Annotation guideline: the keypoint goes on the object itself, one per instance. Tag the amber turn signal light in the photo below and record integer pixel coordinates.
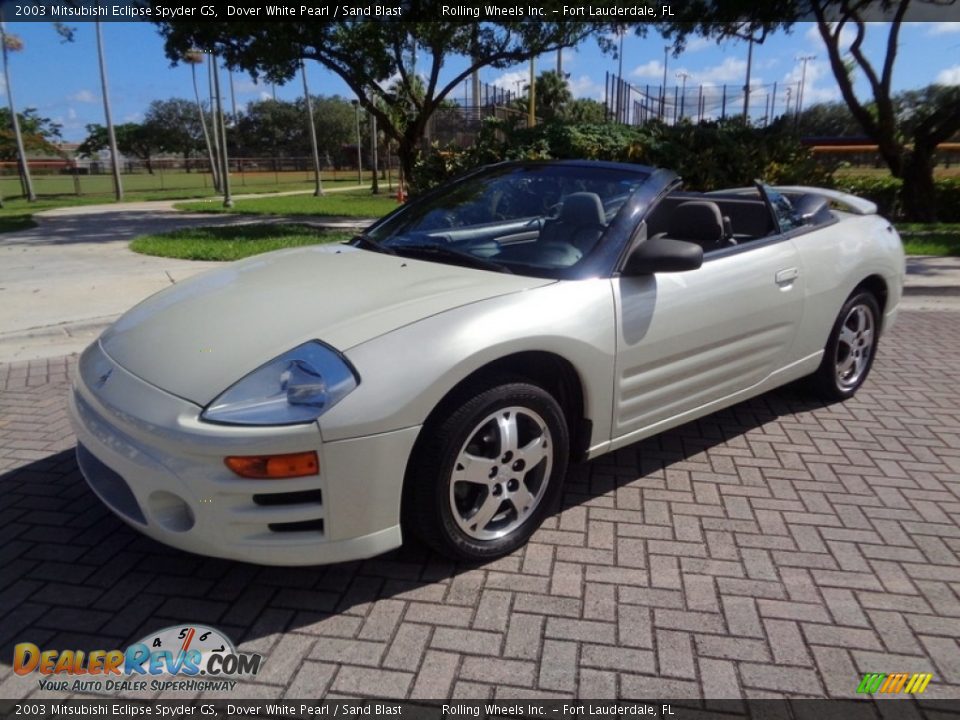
(272, 467)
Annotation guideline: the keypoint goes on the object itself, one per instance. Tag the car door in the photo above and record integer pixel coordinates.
(687, 341)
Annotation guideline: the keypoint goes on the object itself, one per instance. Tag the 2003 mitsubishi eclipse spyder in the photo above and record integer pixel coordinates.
(436, 375)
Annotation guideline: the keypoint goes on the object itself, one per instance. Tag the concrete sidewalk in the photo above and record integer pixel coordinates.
(64, 281)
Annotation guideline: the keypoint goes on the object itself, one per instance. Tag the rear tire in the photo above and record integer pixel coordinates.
(848, 355)
(488, 472)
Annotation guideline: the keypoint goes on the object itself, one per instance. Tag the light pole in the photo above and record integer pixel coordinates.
(803, 80)
(682, 77)
(663, 90)
(356, 111)
(619, 92)
(375, 187)
(746, 87)
(532, 97)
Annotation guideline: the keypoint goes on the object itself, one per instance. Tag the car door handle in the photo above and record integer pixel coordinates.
(787, 276)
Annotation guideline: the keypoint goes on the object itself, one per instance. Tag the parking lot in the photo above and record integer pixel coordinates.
(778, 548)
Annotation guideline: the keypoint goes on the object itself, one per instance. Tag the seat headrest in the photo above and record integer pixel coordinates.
(698, 221)
(583, 208)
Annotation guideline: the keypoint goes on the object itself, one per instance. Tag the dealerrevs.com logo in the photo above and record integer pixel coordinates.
(180, 657)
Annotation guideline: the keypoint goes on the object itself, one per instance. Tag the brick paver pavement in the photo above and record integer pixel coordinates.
(777, 548)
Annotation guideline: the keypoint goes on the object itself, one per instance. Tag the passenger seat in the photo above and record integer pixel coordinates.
(700, 221)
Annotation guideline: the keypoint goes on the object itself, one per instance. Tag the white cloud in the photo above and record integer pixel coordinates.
(584, 87)
(730, 70)
(698, 43)
(944, 28)
(818, 86)
(847, 36)
(652, 70)
(82, 96)
(949, 76)
(133, 117)
(264, 95)
(513, 82)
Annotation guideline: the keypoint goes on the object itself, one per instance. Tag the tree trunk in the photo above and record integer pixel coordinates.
(918, 194)
(407, 153)
(25, 180)
(111, 135)
(214, 175)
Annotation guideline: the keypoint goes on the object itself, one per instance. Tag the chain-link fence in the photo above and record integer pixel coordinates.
(639, 104)
(177, 177)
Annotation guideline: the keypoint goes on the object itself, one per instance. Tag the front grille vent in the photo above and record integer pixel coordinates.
(302, 526)
(289, 498)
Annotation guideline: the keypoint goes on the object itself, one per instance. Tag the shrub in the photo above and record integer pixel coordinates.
(885, 192)
(707, 156)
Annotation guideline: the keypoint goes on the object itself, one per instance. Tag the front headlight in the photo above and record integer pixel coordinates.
(296, 387)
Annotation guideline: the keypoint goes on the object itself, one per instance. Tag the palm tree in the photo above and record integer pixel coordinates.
(194, 58)
(11, 43)
(553, 95)
(111, 135)
(318, 185)
(215, 121)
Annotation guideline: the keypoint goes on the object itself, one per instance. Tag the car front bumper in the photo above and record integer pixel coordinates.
(150, 459)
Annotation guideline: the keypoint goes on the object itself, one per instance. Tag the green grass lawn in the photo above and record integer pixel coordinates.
(53, 193)
(941, 239)
(192, 184)
(232, 243)
(352, 203)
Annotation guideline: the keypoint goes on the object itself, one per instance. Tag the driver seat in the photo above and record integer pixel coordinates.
(580, 223)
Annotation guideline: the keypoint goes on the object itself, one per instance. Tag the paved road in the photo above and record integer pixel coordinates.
(63, 281)
(777, 548)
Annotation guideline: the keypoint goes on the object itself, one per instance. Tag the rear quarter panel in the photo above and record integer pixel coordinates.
(837, 258)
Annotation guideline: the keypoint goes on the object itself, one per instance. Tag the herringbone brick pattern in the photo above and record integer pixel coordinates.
(778, 548)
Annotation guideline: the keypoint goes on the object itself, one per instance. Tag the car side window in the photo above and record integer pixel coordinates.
(787, 216)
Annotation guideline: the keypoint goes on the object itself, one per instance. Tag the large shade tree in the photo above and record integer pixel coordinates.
(40, 135)
(139, 140)
(367, 55)
(906, 141)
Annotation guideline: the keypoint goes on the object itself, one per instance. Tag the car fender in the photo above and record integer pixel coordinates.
(407, 372)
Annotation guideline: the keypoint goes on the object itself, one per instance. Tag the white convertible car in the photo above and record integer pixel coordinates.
(436, 375)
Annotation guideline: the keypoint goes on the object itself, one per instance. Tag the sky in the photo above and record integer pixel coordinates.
(61, 80)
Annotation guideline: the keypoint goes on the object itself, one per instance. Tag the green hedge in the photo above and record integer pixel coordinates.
(707, 156)
(885, 192)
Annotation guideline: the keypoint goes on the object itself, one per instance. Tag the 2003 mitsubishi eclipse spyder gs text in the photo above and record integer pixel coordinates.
(436, 375)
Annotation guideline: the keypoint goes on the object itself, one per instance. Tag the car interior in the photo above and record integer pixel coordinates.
(719, 220)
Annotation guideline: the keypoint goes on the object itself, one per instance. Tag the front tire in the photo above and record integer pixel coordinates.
(488, 472)
(848, 356)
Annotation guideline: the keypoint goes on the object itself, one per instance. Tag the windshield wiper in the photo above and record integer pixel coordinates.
(363, 240)
(460, 257)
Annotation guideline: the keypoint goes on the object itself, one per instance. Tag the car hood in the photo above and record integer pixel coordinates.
(200, 336)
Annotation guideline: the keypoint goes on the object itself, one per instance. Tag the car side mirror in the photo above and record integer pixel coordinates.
(661, 254)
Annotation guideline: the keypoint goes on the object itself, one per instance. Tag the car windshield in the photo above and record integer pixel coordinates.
(538, 219)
